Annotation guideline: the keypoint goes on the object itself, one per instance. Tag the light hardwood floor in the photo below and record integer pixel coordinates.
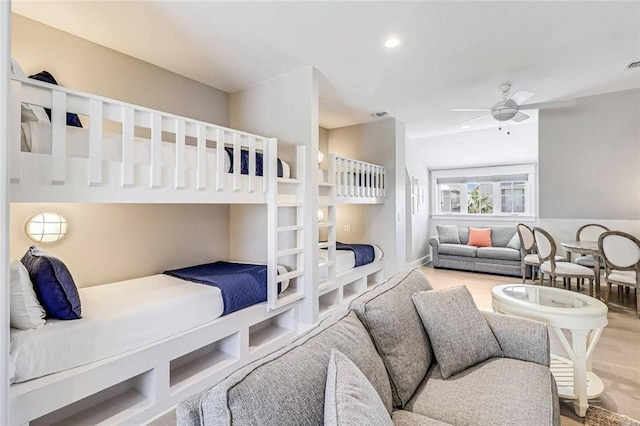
(616, 358)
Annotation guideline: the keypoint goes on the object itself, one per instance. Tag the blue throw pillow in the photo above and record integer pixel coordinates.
(53, 284)
(47, 77)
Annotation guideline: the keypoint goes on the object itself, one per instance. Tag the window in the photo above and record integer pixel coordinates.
(450, 198)
(491, 191)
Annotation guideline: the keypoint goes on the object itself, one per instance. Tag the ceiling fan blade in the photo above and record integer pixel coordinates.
(476, 118)
(522, 96)
(470, 109)
(552, 104)
(520, 116)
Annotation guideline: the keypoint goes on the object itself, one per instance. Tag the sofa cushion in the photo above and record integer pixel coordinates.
(448, 234)
(387, 311)
(459, 334)
(514, 242)
(500, 391)
(463, 234)
(349, 397)
(407, 418)
(289, 384)
(501, 235)
(502, 253)
(457, 250)
(480, 237)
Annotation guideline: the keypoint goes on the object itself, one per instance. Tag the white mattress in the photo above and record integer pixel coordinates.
(37, 139)
(345, 260)
(116, 318)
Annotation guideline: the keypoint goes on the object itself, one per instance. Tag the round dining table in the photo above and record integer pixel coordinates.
(585, 248)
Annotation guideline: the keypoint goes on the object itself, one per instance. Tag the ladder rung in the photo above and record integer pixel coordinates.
(325, 264)
(326, 244)
(290, 251)
(327, 184)
(325, 224)
(290, 228)
(288, 180)
(289, 276)
(290, 204)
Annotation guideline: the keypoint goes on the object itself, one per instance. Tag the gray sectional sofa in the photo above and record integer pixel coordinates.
(383, 335)
(450, 250)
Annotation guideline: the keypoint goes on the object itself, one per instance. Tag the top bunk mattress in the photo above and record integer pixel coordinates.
(116, 318)
(36, 138)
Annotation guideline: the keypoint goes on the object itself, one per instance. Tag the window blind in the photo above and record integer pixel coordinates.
(478, 179)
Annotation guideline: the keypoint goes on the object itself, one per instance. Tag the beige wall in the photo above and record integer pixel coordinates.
(590, 159)
(106, 244)
(83, 65)
(380, 142)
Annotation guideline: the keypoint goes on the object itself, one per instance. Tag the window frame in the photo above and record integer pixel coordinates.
(530, 189)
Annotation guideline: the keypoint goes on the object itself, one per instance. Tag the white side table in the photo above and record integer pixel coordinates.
(583, 316)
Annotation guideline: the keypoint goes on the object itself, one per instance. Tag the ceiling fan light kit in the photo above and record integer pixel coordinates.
(509, 107)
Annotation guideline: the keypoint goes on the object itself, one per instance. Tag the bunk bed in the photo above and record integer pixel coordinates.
(152, 368)
(342, 275)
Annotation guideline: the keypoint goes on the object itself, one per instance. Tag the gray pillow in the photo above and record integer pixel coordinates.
(349, 398)
(460, 336)
(501, 234)
(448, 234)
(514, 242)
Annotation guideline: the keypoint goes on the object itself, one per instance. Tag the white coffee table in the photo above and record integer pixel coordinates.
(583, 316)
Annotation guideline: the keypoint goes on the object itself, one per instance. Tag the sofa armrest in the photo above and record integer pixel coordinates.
(434, 242)
(188, 411)
(520, 338)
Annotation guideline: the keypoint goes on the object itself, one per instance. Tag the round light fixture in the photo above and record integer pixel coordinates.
(392, 42)
(47, 227)
(320, 215)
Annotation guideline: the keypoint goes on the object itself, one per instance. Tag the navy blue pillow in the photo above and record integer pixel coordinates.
(72, 119)
(53, 284)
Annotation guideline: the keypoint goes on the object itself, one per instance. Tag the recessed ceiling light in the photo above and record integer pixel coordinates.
(392, 42)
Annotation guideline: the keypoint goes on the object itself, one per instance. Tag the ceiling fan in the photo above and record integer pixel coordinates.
(509, 107)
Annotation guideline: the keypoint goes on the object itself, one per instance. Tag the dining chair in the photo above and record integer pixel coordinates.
(549, 265)
(621, 254)
(529, 256)
(590, 232)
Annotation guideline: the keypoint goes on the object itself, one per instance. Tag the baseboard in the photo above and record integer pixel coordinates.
(417, 263)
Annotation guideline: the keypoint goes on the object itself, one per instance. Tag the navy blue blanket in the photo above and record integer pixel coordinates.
(364, 253)
(244, 162)
(241, 284)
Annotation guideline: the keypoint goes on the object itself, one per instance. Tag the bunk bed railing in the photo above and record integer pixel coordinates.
(130, 119)
(358, 179)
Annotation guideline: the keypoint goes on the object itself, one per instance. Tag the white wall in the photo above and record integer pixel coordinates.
(80, 64)
(113, 242)
(417, 223)
(590, 164)
(479, 148)
(286, 108)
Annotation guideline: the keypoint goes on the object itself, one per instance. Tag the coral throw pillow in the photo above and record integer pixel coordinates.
(480, 237)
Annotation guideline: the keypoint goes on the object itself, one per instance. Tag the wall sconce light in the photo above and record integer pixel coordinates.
(320, 157)
(320, 215)
(47, 227)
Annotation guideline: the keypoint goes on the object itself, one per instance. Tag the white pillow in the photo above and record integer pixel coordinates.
(25, 311)
(284, 284)
(29, 113)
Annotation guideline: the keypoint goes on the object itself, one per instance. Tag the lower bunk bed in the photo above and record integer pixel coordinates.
(143, 345)
(358, 267)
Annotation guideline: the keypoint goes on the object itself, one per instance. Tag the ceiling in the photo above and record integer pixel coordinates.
(452, 54)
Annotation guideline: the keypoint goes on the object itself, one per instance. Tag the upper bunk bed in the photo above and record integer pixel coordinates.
(129, 153)
(355, 181)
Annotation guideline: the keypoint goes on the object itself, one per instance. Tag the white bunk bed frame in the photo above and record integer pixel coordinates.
(144, 383)
(342, 187)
